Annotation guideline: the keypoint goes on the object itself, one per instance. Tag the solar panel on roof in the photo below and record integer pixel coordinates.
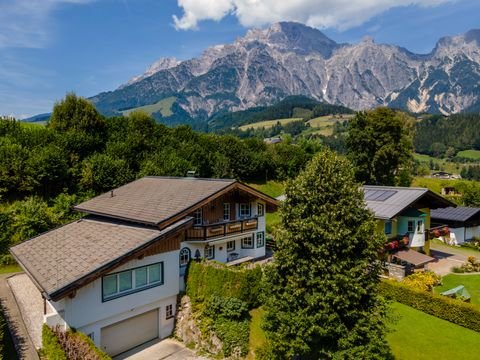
(378, 195)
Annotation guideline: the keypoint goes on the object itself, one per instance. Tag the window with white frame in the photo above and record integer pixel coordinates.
(131, 281)
(231, 245)
(260, 209)
(198, 217)
(420, 226)
(184, 256)
(169, 311)
(260, 239)
(209, 252)
(411, 226)
(226, 211)
(245, 210)
(247, 242)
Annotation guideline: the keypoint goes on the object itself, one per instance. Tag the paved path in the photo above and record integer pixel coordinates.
(448, 257)
(167, 349)
(30, 302)
(23, 344)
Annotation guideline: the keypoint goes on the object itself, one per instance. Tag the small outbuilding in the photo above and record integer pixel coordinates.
(463, 222)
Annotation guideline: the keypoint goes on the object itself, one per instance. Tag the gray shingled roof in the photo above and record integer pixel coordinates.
(395, 200)
(61, 257)
(151, 200)
(459, 213)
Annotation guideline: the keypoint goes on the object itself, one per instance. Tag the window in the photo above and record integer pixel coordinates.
(209, 252)
(184, 256)
(231, 245)
(226, 211)
(411, 226)
(197, 217)
(169, 311)
(420, 226)
(247, 242)
(245, 210)
(131, 281)
(260, 239)
(260, 210)
(388, 227)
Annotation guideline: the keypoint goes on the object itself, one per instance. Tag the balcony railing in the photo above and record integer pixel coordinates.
(210, 231)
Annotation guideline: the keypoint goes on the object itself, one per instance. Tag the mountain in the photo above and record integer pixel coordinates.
(267, 65)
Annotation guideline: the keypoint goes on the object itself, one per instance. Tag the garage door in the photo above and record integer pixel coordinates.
(129, 333)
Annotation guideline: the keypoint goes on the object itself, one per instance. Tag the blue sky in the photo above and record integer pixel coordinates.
(50, 47)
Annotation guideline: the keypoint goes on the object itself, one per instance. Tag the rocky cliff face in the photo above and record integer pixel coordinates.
(267, 65)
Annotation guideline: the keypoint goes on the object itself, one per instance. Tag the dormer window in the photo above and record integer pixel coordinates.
(198, 217)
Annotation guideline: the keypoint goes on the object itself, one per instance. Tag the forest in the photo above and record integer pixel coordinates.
(44, 170)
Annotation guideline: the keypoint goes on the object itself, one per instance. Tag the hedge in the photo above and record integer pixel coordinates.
(455, 311)
(207, 278)
(7, 349)
(69, 345)
(51, 349)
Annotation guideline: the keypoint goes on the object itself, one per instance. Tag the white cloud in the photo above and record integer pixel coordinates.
(27, 23)
(340, 14)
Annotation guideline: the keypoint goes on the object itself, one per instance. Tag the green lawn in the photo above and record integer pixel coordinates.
(164, 106)
(271, 188)
(257, 336)
(471, 283)
(469, 154)
(448, 166)
(417, 336)
(459, 250)
(6, 269)
(435, 185)
(413, 335)
(267, 124)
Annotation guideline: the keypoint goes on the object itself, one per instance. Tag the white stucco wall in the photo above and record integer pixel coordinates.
(89, 314)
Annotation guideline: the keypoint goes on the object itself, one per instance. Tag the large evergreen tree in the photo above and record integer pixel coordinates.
(322, 286)
(380, 145)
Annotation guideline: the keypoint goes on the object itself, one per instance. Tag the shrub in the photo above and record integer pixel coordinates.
(234, 335)
(207, 278)
(457, 312)
(7, 349)
(471, 265)
(425, 280)
(230, 308)
(7, 260)
(71, 345)
(51, 348)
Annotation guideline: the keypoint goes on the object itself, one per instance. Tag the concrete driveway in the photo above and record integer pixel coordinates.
(447, 257)
(168, 349)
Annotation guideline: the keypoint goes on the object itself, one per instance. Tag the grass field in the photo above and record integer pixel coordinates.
(435, 185)
(444, 165)
(257, 336)
(271, 188)
(164, 106)
(469, 154)
(267, 124)
(323, 121)
(6, 269)
(419, 336)
(471, 283)
(413, 335)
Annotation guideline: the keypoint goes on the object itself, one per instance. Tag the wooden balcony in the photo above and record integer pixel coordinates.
(211, 231)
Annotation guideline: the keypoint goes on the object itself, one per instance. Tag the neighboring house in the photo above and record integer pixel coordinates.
(463, 222)
(445, 175)
(116, 273)
(403, 215)
(272, 140)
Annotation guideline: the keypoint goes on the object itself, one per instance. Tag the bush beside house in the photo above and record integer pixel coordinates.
(221, 297)
(457, 312)
(7, 349)
(69, 345)
(208, 278)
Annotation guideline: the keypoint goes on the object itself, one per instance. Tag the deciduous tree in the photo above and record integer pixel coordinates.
(380, 146)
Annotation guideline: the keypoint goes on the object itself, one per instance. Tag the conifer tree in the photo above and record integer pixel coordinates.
(322, 286)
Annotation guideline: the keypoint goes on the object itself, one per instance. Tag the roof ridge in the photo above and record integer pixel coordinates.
(394, 187)
(187, 178)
